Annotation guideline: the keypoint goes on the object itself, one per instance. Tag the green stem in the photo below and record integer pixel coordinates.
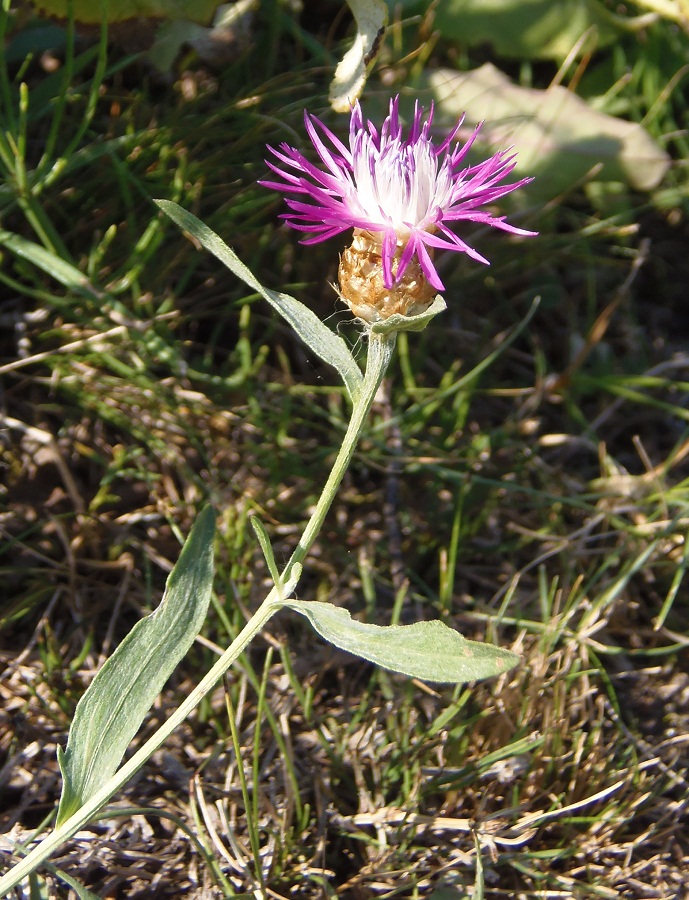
(380, 352)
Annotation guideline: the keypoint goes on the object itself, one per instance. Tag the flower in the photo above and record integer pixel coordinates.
(402, 194)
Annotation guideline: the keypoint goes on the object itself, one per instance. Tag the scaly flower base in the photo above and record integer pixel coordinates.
(362, 283)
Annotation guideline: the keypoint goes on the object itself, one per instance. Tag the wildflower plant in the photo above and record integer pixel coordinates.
(402, 194)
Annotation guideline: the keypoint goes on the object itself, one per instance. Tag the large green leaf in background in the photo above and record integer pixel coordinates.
(90, 12)
(549, 29)
(111, 711)
(558, 137)
(526, 29)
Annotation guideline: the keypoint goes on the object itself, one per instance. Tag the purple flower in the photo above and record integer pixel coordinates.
(404, 193)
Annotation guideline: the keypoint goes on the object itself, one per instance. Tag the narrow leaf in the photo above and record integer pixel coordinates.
(264, 541)
(48, 262)
(79, 889)
(315, 334)
(427, 650)
(285, 588)
(111, 711)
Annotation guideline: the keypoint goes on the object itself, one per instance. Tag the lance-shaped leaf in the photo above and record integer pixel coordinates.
(111, 711)
(285, 583)
(427, 650)
(315, 334)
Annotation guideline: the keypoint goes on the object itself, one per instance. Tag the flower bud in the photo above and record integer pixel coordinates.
(362, 283)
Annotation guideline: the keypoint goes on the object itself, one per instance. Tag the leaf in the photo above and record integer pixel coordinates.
(286, 583)
(350, 75)
(111, 711)
(559, 139)
(418, 322)
(79, 889)
(525, 29)
(50, 263)
(219, 45)
(91, 11)
(427, 650)
(264, 541)
(315, 334)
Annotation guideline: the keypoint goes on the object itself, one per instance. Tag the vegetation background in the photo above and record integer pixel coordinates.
(539, 502)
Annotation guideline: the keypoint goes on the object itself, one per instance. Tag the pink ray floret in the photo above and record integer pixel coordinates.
(407, 193)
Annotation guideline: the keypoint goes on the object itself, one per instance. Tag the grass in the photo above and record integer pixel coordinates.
(540, 502)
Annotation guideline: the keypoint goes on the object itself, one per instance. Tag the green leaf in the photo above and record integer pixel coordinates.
(63, 272)
(111, 711)
(558, 137)
(427, 650)
(371, 17)
(285, 583)
(525, 29)
(91, 11)
(315, 334)
(418, 322)
(264, 541)
(79, 889)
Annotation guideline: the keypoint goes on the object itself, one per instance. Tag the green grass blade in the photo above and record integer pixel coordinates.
(315, 334)
(427, 650)
(47, 261)
(111, 711)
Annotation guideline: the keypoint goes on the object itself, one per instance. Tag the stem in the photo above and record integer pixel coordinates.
(380, 352)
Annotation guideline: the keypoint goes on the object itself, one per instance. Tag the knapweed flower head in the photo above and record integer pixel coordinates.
(401, 195)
